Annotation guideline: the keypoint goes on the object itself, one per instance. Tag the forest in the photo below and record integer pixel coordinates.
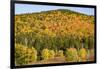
(54, 36)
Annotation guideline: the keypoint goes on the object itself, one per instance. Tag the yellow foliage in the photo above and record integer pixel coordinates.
(45, 54)
(71, 55)
(51, 54)
(83, 54)
(24, 55)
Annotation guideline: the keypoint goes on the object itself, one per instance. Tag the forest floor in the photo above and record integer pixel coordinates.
(57, 60)
(51, 61)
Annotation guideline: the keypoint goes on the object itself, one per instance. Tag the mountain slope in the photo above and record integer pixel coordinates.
(54, 23)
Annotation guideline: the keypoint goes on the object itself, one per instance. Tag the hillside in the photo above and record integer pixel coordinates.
(54, 30)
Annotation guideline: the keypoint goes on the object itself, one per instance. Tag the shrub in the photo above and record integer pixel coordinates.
(60, 53)
(24, 55)
(45, 54)
(71, 55)
(35, 53)
(83, 54)
(51, 54)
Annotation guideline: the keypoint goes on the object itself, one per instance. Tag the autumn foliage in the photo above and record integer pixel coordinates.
(24, 55)
(52, 32)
